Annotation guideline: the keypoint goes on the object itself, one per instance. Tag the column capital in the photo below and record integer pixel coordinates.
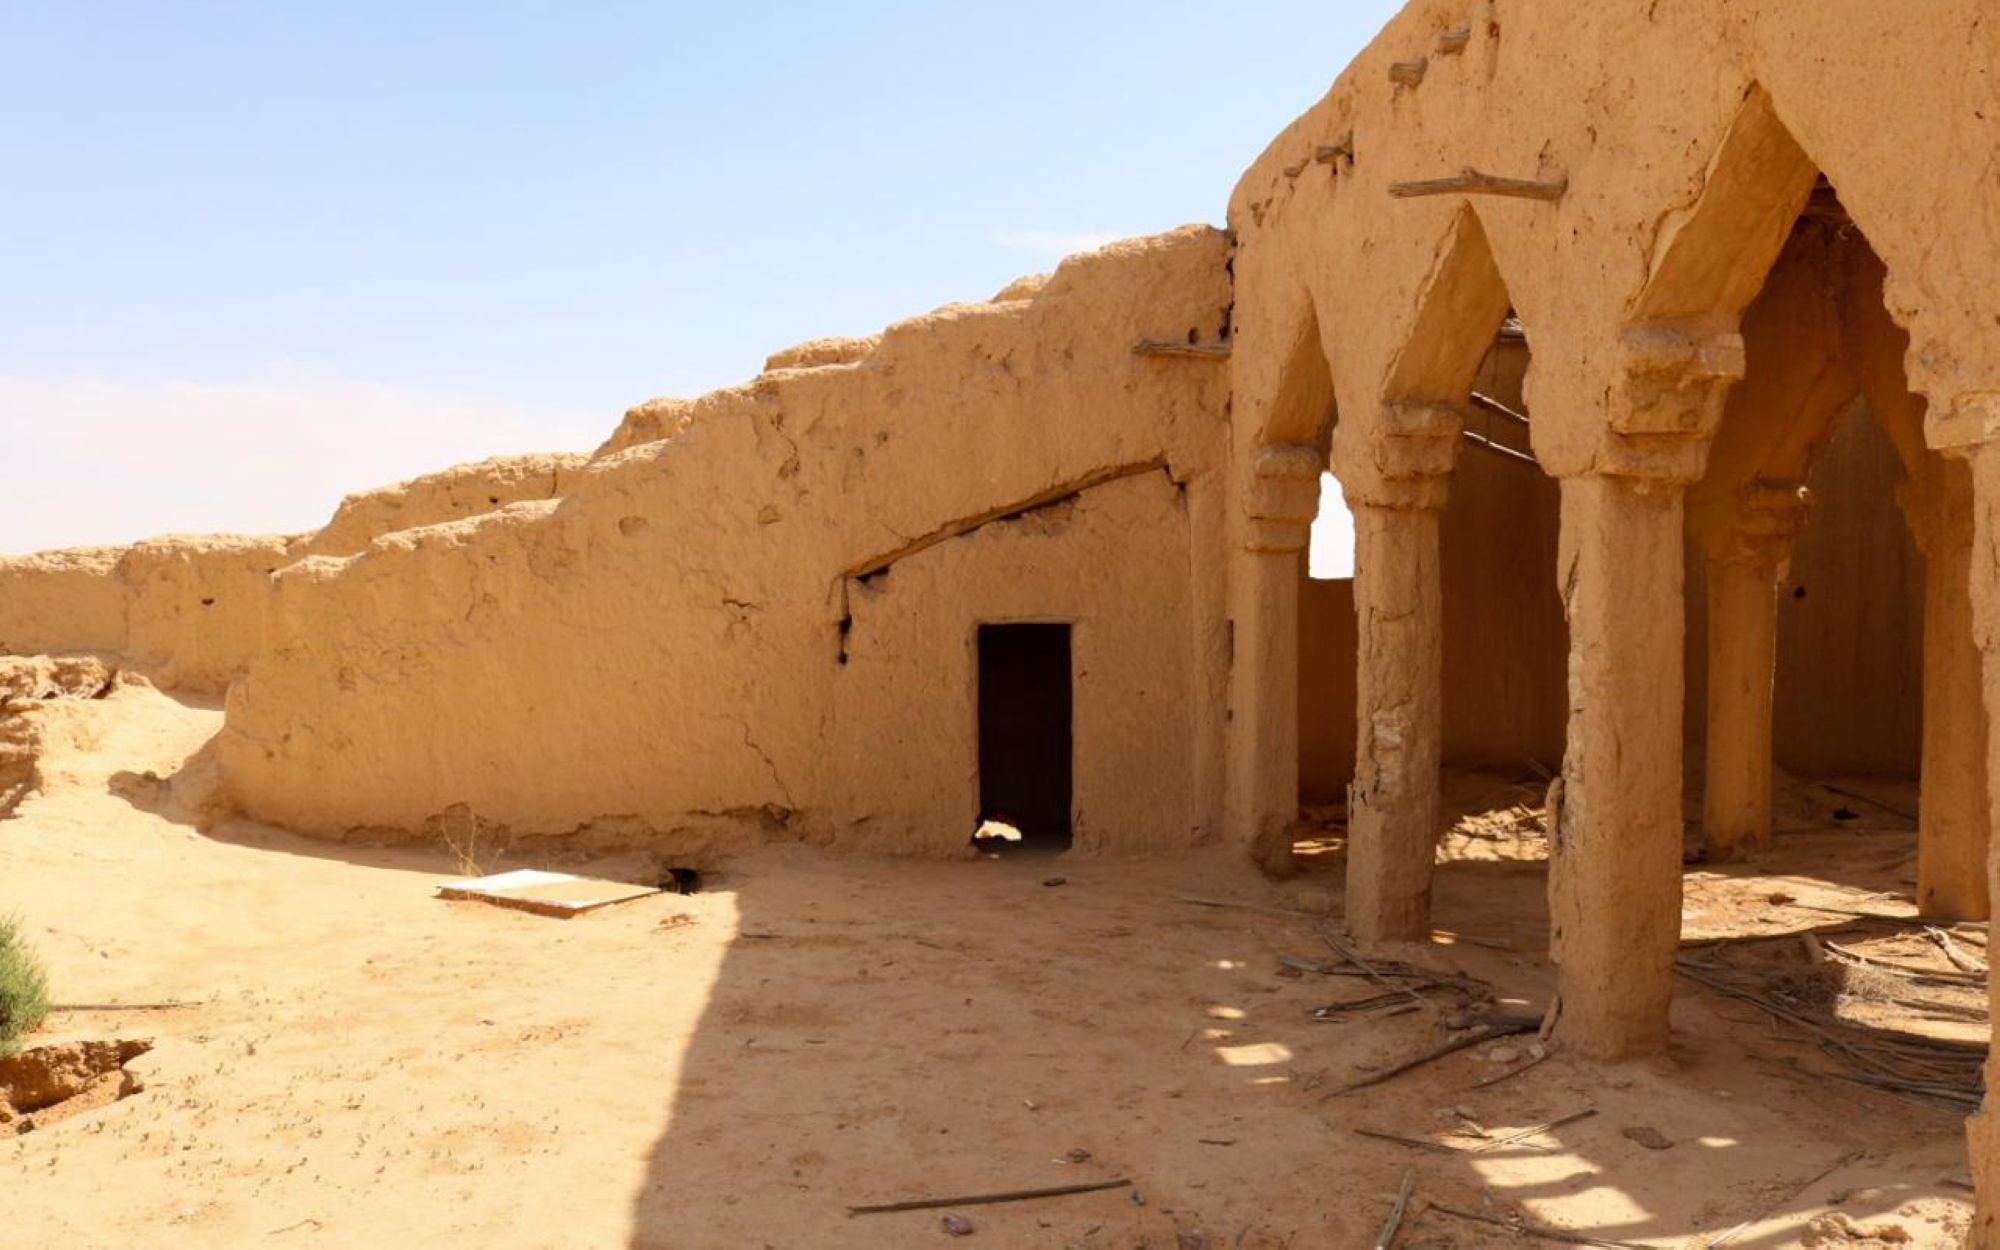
(1769, 517)
(1672, 380)
(1410, 459)
(1281, 496)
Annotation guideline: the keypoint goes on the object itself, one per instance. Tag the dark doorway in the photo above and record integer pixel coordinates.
(1024, 731)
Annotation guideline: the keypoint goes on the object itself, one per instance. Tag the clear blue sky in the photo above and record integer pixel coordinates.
(256, 255)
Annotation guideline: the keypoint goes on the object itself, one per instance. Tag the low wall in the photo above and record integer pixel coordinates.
(191, 611)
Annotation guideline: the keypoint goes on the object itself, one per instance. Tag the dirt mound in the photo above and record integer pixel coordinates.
(50, 1083)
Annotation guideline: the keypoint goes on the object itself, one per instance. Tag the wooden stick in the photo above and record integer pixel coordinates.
(1480, 440)
(1492, 944)
(1386, 1239)
(1492, 405)
(1235, 906)
(1509, 1075)
(167, 1006)
(1500, 1028)
(1951, 951)
(983, 1200)
(1862, 798)
(1354, 958)
(1414, 1143)
(1526, 1229)
(1472, 182)
(1537, 1131)
(1910, 969)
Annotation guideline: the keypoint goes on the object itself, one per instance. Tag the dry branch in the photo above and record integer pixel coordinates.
(1505, 1026)
(980, 1200)
(1497, 1142)
(1511, 1073)
(1348, 953)
(1537, 1231)
(1386, 1239)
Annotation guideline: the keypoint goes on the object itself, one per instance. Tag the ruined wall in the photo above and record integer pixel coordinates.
(62, 601)
(452, 494)
(654, 655)
(190, 610)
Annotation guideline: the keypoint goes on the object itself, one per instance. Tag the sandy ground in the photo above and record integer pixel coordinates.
(368, 1065)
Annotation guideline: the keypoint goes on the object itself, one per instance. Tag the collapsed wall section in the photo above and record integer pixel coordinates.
(190, 610)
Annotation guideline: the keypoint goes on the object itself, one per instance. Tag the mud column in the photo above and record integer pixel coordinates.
(1393, 804)
(1983, 581)
(1616, 829)
(1952, 812)
(1742, 667)
(1281, 498)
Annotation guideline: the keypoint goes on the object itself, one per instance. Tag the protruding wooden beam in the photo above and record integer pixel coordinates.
(1472, 182)
(1167, 347)
(1339, 149)
(1409, 73)
(1452, 42)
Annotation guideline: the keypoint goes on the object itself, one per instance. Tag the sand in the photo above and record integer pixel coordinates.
(365, 1064)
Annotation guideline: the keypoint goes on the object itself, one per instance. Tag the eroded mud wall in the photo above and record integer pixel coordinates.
(654, 655)
(62, 601)
(1111, 562)
(190, 610)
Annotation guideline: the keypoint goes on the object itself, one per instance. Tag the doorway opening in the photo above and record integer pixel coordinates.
(1025, 746)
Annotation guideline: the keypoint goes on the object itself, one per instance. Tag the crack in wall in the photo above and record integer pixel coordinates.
(1062, 493)
(979, 520)
(748, 741)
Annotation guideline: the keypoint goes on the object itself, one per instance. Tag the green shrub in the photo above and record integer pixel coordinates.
(24, 987)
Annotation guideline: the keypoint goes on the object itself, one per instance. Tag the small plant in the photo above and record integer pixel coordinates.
(24, 987)
(460, 829)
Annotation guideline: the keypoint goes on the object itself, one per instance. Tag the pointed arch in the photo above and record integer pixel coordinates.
(1711, 260)
(1463, 304)
(1303, 410)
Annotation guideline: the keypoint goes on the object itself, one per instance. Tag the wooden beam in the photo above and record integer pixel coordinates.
(1328, 153)
(1167, 347)
(1500, 449)
(1472, 182)
(1408, 73)
(1493, 405)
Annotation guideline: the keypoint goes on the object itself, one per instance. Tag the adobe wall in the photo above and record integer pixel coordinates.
(62, 601)
(653, 657)
(1327, 646)
(1849, 694)
(190, 610)
(1112, 561)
